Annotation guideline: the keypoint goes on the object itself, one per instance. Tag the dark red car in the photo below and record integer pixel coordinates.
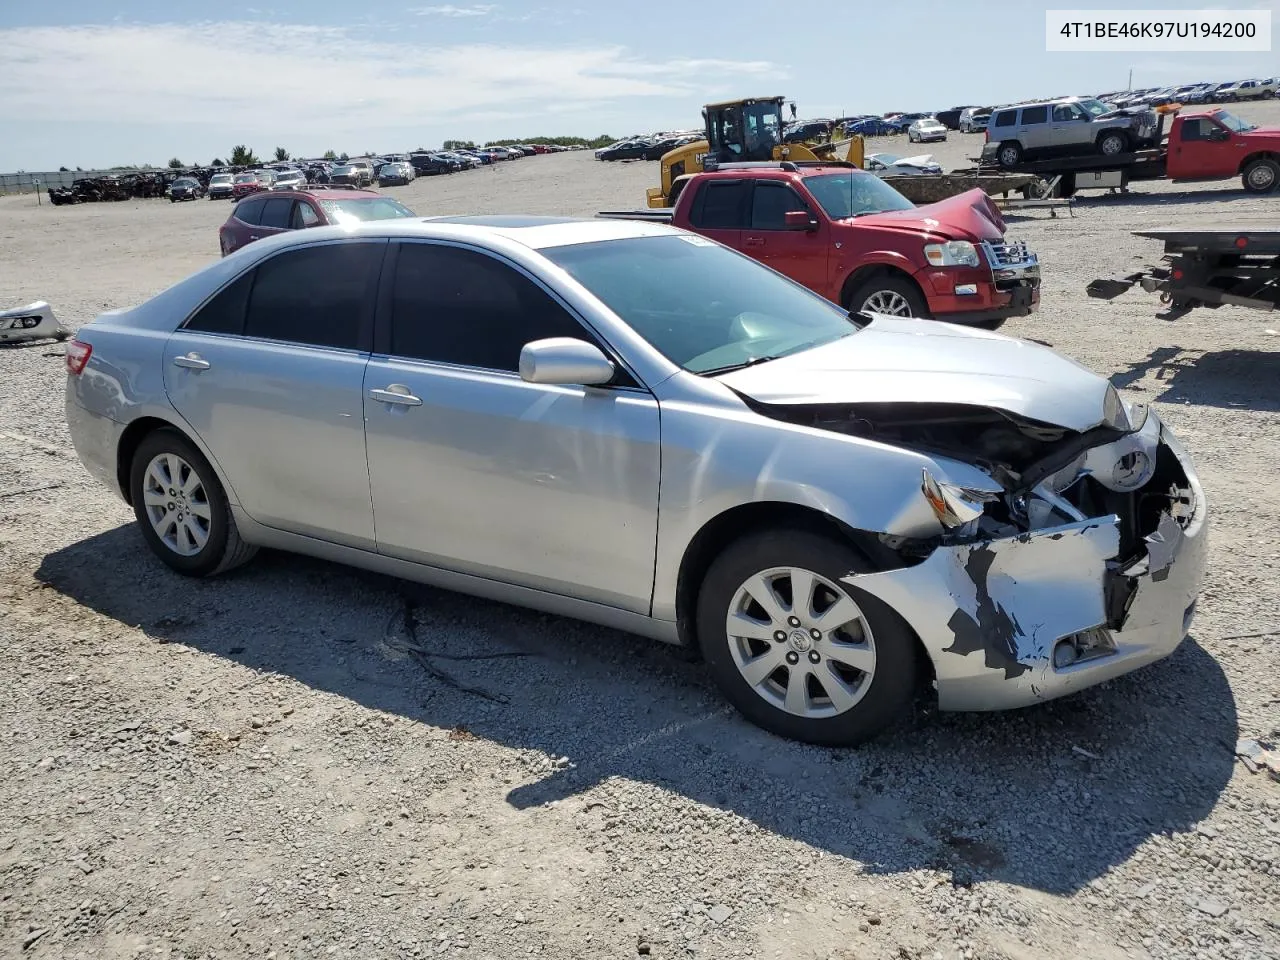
(276, 211)
(251, 181)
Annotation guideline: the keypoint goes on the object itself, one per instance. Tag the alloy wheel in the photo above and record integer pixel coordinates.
(888, 302)
(176, 504)
(801, 642)
(1262, 177)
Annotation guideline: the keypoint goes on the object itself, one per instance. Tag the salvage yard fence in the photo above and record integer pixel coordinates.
(30, 182)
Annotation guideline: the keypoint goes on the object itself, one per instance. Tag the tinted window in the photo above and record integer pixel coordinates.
(721, 205)
(250, 210)
(1197, 128)
(1004, 118)
(315, 295)
(458, 306)
(225, 312)
(770, 202)
(1035, 115)
(276, 212)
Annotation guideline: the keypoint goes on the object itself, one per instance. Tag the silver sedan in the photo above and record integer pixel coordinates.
(636, 426)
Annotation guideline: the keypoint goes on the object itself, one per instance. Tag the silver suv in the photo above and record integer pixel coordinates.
(1067, 126)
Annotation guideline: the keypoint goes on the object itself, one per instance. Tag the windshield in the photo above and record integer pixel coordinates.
(343, 169)
(854, 194)
(220, 178)
(1094, 108)
(1233, 123)
(355, 211)
(246, 178)
(183, 182)
(700, 304)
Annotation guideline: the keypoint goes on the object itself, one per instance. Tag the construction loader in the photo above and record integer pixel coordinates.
(743, 131)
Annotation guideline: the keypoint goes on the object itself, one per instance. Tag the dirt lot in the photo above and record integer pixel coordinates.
(254, 767)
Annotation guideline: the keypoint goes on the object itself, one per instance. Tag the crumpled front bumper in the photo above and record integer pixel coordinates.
(990, 613)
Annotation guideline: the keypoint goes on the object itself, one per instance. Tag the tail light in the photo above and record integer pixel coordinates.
(78, 354)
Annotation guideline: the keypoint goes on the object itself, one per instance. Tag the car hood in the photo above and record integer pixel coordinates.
(971, 216)
(907, 361)
(1262, 133)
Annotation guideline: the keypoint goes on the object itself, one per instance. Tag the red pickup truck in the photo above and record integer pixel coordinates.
(1217, 144)
(851, 237)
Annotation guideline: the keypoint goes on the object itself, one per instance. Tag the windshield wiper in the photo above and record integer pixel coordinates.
(716, 371)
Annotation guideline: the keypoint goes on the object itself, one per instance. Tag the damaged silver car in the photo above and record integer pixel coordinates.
(629, 424)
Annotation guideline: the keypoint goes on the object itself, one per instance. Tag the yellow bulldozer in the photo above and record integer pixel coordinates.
(743, 131)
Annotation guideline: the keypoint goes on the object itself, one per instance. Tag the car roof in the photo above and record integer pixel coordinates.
(329, 194)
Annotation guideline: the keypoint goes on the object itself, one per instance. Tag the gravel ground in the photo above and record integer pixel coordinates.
(255, 766)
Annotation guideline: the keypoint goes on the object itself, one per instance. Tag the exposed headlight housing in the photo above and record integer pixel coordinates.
(954, 505)
(953, 253)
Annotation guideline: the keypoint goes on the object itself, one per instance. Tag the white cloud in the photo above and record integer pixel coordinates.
(449, 10)
(329, 83)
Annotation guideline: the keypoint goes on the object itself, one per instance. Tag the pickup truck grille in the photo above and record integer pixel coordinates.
(1010, 253)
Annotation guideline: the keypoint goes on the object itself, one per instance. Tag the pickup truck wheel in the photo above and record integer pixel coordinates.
(1112, 143)
(1261, 175)
(1010, 154)
(795, 649)
(890, 295)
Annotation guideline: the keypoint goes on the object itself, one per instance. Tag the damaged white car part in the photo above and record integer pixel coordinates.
(618, 421)
(35, 321)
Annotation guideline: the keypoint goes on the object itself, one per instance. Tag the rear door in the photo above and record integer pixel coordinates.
(721, 209)
(275, 217)
(1034, 129)
(799, 254)
(242, 225)
(269, 373)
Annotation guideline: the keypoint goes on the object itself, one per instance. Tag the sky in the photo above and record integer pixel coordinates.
(98, 83)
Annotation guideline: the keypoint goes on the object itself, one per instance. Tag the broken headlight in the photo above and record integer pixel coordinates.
(954, 505)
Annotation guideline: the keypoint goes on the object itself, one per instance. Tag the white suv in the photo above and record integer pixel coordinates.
(1249, 90)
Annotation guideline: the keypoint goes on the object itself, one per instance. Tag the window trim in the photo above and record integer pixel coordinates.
(364, 332)
(383, 315)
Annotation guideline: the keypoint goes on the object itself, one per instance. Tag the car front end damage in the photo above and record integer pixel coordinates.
(1079, 561)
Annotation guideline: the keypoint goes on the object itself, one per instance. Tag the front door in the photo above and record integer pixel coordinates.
(270, 376)
(799, 254)
(1204, 149)
(475, 470)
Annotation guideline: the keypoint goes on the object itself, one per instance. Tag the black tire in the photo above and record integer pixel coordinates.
(223, 549)
(888, 284)
(892, 683)
(1009, 154)
(1261, 175)
(990, 324)
(1113, 142)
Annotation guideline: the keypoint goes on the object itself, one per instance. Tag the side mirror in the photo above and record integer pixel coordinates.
(564, 360)
(799, 220)
(1218, 134)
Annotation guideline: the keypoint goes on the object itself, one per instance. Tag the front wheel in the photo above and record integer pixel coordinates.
(1113, 143)
(182, 509)
(797, 651)
(1261, 175)
(894, 296)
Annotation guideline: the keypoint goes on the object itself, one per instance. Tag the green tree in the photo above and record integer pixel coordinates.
(281, 154)
(217, 162)
(461, 144)
(63, 170)
(175, 164)
(242, 156)
(343, 157)
(330, 155)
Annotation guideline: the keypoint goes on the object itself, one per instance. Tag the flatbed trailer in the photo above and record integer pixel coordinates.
(1208, 267)
(1063, 176)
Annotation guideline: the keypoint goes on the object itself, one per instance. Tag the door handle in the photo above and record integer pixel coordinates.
(192, 361)
(395, 393)
(754, 242)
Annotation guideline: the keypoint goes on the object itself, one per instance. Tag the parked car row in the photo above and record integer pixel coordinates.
(1195, 93)
(645, 148)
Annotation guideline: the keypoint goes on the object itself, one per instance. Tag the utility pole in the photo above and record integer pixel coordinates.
(1131, 78)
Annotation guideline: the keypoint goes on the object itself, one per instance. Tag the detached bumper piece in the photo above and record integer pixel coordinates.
(1016, 620)
(35, 321)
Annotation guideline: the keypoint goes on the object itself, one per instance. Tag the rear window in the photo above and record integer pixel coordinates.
(1004, 118)
(1035, 115)
(374, 208)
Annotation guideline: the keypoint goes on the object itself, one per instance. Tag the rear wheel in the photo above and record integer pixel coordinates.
(887, 294)
(182, 508)
(797, 651)
(1261, 175)
(1010, 154)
